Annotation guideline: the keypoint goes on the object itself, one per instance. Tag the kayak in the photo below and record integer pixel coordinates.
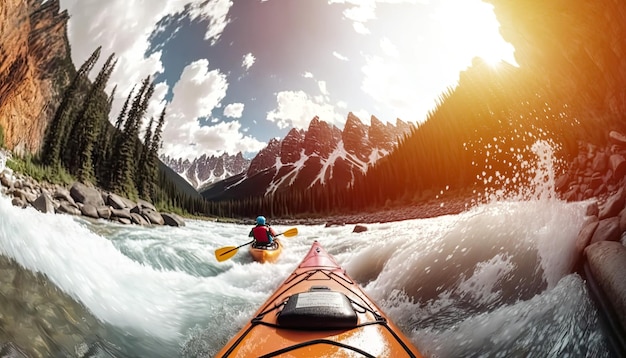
(265, 254)
(319, 311)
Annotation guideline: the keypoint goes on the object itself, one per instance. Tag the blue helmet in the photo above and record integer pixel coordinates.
(260, 220)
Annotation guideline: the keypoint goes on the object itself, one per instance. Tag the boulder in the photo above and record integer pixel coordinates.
(89, 211)
(607, 230)
(121, 213)
(172, 219)
(585, 235)
(607, 263)
(359, 228)
(116, 201)
(138, 219)
(142, 204)
(63, 194)
(153, 216)
(68, 208)
(86, 195)
(44, 203)
(613, 205)
(104, 212)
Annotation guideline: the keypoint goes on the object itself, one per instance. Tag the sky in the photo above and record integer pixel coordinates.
(235, 74)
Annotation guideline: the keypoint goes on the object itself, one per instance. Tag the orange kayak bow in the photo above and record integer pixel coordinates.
(319, 311)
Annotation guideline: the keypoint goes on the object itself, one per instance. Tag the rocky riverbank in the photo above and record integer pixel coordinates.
(83, 200)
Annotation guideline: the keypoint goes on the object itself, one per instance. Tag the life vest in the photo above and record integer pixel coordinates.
(262, 234)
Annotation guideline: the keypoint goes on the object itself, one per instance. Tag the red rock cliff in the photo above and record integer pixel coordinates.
(34, 69)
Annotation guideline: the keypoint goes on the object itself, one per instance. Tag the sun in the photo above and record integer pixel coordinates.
(470, 29)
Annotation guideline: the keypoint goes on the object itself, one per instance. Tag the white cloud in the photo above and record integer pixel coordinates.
(224, 137)
(307, 74)
(196, 94)
(340, 56)
(199, 90)
(234, 110)
(123, 27)
(362, 11)
(297, 109)
(389, 48)
(248, 61)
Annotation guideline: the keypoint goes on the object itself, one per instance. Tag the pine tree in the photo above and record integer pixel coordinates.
(124, 168)
(58, 129)
(142, 182)
(153, 156)
(85, 131)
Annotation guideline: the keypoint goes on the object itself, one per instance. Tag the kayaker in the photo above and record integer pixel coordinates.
(262, 233)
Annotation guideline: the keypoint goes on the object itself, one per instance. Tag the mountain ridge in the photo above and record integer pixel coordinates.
(323, 154)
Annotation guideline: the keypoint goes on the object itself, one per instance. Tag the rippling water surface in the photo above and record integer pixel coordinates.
(493, 281)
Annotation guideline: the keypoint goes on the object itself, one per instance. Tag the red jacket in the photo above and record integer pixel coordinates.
(263, 234)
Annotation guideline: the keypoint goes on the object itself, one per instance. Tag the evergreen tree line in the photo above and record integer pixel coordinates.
(81, 140)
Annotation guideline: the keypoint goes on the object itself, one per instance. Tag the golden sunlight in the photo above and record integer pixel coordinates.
(470, 29)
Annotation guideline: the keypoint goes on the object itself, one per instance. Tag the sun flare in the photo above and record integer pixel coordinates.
(471, 29)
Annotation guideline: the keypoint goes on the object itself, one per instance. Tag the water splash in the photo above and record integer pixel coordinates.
(519, 174)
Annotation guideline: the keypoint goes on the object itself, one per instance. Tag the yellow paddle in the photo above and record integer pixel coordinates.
(225, 253)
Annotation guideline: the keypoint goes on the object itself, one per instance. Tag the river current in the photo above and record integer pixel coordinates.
(494, 281)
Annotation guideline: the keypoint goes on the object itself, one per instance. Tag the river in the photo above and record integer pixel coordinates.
(493, 281)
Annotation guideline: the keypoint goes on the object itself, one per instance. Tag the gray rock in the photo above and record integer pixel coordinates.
(104, 212)
(89, 211)
(120, 213)
(607, 230)
(63, 194)
(153, 216)
(172, 219)
(68, 208)
(86, 195)
(607, 262)
(44, 203)
(613, 205)
(116, 201)
(585, 235)
(142, 204)
(138, 219)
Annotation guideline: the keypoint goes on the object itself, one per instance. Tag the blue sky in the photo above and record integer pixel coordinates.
(235, 74)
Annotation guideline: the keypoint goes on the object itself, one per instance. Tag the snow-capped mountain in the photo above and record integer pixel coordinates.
(321, 154)
(203, 171)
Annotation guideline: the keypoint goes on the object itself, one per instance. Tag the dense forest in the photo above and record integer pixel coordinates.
(82, 143)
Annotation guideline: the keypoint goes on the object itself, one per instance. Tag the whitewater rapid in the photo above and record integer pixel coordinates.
(493, 281)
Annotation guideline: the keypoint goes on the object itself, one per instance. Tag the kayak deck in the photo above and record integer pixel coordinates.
(319, 311)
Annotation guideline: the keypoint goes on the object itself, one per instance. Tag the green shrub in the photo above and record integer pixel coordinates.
(39, 172)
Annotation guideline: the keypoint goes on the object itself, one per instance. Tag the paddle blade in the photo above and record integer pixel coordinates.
(225, 253)
(291, 232)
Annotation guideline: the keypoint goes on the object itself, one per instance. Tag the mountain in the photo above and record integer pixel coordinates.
(203, 171)
(322, 154)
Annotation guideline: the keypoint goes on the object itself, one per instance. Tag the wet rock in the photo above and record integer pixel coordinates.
(68, 208)
(607, 262)
(138, 219)
(44, 203)
(359, 228)
(607, 230)
(172, 219)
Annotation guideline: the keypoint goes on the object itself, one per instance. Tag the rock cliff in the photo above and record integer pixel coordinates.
(34, 69)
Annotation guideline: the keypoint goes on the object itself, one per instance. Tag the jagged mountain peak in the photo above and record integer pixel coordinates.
(205, 170)
(322, 154)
